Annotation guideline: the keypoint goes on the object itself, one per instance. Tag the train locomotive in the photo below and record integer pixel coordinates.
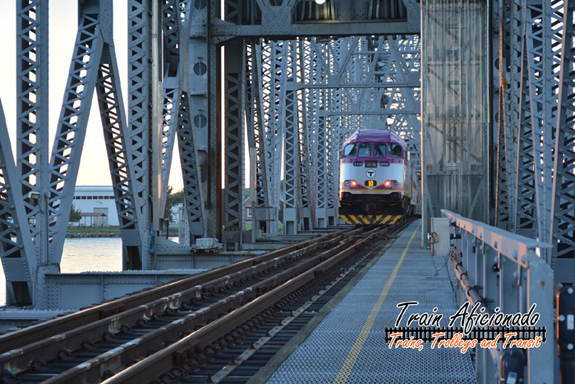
(376, 177)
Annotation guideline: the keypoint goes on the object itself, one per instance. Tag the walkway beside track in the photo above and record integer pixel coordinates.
(348, 345)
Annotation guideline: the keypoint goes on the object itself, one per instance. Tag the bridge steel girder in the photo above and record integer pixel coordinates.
(119, 148)
(259, 190)
(563, 206)
(270, 69)
(541, 25)
(509, 93)
(339, 81)
(193, 193)
(140, 121)
(290, 19)
(204, 63)
(32, 113)
(234, 107)
(292, 152)
(171, 25)
(93, 66)
(46, 190)
(71, 131)
(177, 111)
(305, 198)
(18, 257)
(525, 207)
(543, 21)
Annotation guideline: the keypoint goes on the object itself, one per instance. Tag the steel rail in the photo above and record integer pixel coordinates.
(151, 367)
(19, 360)
(91, 370)
(49, 328)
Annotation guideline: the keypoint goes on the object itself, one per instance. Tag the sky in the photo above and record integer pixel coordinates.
(63, 25)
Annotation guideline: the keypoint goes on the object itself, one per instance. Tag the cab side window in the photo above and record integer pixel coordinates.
(379, 149)
(395, 150)
(349, 150)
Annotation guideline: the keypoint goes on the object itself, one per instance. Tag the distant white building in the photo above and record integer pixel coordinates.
(93, 201)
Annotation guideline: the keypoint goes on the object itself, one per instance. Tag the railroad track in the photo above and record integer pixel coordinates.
(171, 331)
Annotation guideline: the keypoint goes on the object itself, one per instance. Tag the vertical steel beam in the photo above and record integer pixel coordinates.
(543, 26)
(119, 148)
(258, 145)
(194, 202)
(171, 22)
(271, 62)
(510, 84)
(305, 202)
(204, 79)
(234, 108)
(291, 164)
(250, 107)
(563, 208)
(501, 190)
(17, 254)
(32, 112)
(140, 120)
(525, 208)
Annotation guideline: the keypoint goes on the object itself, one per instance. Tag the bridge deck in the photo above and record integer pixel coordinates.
(349, 346)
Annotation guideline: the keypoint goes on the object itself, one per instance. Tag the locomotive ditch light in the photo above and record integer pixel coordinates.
(346, 183)
(353, 183)
(389, 183)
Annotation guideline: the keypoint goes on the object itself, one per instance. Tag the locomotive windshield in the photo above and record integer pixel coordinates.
(395, 150)
(364, 150)
(379, 149)
(349, 150)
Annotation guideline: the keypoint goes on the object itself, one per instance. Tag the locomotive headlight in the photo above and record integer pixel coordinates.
(389, 183)
(346, 183)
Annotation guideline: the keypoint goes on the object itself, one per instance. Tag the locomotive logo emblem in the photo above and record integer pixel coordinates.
(370, 174)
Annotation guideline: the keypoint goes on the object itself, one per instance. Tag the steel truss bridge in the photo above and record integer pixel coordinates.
(248, 90)
(291, 94)
(482, 91)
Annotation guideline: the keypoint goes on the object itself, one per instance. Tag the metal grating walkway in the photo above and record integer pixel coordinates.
(348, 345)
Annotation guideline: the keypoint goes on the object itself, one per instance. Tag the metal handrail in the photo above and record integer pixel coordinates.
(505, 271)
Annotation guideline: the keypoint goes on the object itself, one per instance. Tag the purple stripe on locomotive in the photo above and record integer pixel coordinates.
(374, 136)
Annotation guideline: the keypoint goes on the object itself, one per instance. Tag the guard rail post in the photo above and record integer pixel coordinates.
(503, 271)
(566, 333)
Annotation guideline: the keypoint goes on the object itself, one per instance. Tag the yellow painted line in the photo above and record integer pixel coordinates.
(365, 219)
(364, 333)
(394, 220)
(355, 220)
(378, 218)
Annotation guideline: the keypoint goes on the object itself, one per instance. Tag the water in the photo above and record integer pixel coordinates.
(83, 255)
